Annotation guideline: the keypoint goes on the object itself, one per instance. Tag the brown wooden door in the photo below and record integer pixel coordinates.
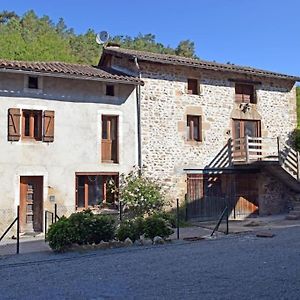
(31, 203)
(109, 142)
(241, 129)
(246, 196)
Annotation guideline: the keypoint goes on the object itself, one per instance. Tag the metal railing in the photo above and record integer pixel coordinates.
(17, 219)
(53, 216)
(225, 213)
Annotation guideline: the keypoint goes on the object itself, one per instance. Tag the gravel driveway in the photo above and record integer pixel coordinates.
(232, 267)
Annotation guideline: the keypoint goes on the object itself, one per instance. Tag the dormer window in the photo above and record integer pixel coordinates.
(33, 82)
(244, 93)
(110, 90)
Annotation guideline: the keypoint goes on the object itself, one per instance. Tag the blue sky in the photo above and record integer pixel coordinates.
(257, 33)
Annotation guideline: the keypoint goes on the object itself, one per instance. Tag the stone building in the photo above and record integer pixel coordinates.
(210, 131)
(66, 130)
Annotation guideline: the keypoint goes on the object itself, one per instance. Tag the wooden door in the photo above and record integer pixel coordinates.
(241, 129)
(31, 203)
(246, 196)
(109, 142)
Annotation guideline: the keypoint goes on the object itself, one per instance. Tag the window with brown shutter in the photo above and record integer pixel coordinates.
(192, 86)
(244, 93)
(194, 128)
(32, 124)
(48, 132)
(14, 117)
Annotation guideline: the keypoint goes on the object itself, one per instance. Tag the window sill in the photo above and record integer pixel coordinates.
(193, 143)
(109, 162)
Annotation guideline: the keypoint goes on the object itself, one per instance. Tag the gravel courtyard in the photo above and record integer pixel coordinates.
(234, 267)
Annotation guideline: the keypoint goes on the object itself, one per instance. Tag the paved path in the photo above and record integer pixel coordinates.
(234, 267)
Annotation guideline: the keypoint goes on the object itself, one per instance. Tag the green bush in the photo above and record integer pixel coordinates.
(297, 139)
(132, 229)
(169, 217)
(141, 195)
(80, 228)
(59, 235)
(101, 228)
(80, 224)
(156, 226)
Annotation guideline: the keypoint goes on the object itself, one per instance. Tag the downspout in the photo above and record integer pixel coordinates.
(138, 108)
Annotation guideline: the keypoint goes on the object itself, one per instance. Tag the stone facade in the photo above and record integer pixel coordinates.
(165, 104)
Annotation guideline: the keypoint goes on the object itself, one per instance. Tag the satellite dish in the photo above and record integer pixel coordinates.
(102, 37)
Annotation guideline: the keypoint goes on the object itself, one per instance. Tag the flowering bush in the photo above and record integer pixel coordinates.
(141, 195)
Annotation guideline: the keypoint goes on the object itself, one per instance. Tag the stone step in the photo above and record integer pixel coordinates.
(292, 217)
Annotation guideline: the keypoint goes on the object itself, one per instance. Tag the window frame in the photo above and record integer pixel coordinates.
(105, 175)
(114, 153)
(110, 88)
(190, 127)
(37, 90)
(33, 124)
(243, 86)
(193, 86)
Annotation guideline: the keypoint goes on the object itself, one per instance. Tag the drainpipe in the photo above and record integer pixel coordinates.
(138, 108)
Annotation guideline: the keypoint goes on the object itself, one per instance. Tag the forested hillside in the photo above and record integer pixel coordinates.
(34, 38)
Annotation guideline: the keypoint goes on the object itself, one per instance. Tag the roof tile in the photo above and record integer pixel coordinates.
(68, 70)
(197, 63)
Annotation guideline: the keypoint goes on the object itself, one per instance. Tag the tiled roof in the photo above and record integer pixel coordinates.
(196, 63)
(68, 70)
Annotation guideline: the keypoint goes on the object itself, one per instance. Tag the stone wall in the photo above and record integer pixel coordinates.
(274, 196)
(165, 104)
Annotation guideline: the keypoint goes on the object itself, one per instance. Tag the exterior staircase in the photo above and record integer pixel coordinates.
(272, 155)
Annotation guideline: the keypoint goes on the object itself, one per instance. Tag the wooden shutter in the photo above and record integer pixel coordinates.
(48, 126)
(14, 117)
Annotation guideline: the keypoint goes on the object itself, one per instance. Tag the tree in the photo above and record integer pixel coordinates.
(5, 16)
(33, 38)
(186, 48)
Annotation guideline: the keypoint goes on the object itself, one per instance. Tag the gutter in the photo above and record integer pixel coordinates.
(138, 107)
(67, 76)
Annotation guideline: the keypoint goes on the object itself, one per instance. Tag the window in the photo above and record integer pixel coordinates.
(30, 125)
(92, 190)
(109, 143)
(193, 88)
(244, 93)
(33, 82)
(110, 90)
(194, 128)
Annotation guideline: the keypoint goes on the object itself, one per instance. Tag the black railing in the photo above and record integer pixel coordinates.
(54, 218)
(225, 213)
(17, 219)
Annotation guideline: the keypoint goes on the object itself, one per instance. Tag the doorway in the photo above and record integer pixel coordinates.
(31, 203)
(241, 129)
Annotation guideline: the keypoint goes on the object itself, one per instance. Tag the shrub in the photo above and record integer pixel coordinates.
(156, 226)
(140, 194)
(132, 229)
(101, 228)
(297, 139)
(80, 224)
(169, 217)
(60, 234)
(80, 228)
